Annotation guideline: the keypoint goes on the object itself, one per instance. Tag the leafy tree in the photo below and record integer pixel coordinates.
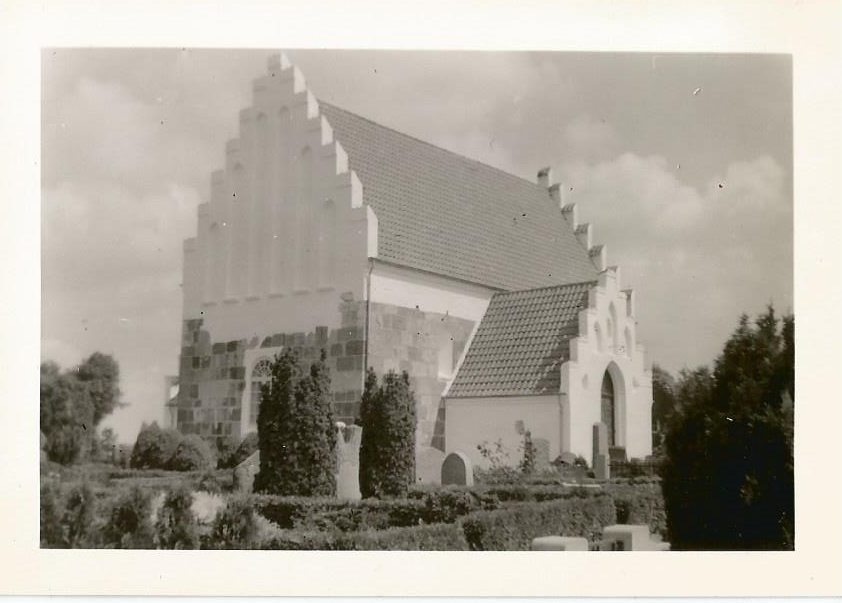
(108, 445)
(728, 478)
(66, 416)
(296, 432)
(176, 526)
(74, 402)
(387, 450)
(101, 376)
(154, 447)
(663, 403)
(192, 454)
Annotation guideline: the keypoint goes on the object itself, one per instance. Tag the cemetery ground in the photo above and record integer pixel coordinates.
(99, 505)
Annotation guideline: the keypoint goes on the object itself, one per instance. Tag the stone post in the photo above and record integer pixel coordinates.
(601, 466)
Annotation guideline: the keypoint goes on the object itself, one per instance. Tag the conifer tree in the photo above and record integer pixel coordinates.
(728, 477)
(387, 450)
(295, 430)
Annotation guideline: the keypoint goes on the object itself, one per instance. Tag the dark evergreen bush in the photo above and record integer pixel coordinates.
(728, 480)
(235, 527)
(154, 447)
(129, 524)
(192, 454)
(79, 510)
(176, 526)
(296, 432)
(387, 450)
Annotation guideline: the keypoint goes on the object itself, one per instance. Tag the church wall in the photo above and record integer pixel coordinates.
(473, 421)
(420, 323)
(215, 376)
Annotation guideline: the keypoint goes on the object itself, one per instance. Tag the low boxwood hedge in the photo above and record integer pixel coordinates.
(436, 537)
(513, 528)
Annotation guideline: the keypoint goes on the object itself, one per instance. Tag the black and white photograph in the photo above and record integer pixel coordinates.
(300, 298)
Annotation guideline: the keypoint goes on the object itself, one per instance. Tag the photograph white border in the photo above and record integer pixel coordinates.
(808, 30)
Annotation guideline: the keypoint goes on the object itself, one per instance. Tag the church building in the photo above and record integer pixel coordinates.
(327, 231)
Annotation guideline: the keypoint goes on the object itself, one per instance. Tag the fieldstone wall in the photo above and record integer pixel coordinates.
(212, 375)
(427, 345)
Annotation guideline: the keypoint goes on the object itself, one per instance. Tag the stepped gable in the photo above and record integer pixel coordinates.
(521, 343)
(444, 213)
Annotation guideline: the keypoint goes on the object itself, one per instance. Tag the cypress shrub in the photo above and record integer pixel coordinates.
(176, 526)
(513, 528)
(387, 450)
(129, 524)
(296, 432)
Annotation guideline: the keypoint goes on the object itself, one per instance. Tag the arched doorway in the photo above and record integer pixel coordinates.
(608, 406)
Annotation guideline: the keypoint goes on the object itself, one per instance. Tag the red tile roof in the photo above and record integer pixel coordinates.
(521, 343)
(450, 215)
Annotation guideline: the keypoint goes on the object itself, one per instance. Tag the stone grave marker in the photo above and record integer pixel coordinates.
(601, 466)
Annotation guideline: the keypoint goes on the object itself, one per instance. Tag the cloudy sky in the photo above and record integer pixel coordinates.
(682, 163)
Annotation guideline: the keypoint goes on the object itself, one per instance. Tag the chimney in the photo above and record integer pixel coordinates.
(544, 177)
(555, 194)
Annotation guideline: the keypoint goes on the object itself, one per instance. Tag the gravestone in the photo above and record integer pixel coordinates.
(348, 461)
(542, 454)
(457, 470)
(559, 543)
(244, 472)
(428, 461)
(601, 466)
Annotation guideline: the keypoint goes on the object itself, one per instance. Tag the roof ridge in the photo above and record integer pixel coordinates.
(429, 144)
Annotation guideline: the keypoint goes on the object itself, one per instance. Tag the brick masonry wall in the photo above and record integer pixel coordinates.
(212, 375)
(425, 344)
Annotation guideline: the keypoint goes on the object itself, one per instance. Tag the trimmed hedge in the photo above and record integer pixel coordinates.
(436, 537)
(445, 505)
(514, 528)
(641, 503)
(325, 514)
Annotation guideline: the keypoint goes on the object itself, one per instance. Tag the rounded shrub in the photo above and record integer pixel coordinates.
(154, 447)
(192, 454)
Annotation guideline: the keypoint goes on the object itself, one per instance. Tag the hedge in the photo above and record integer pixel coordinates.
(445, 505)
(514, 528)
(436, 537)
(640, 503)
(324, 514)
